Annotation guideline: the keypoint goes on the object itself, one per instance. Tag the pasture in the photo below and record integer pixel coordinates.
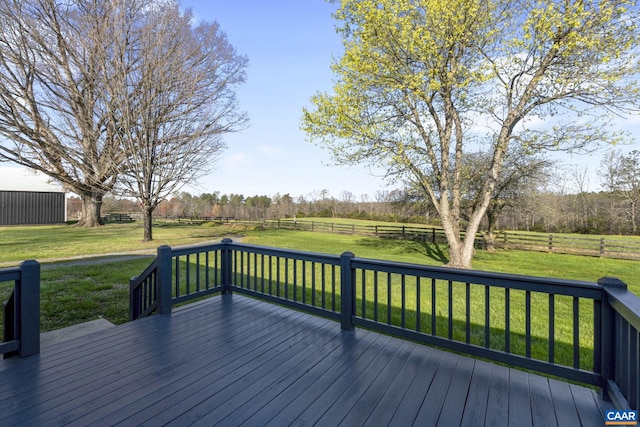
(74, 291)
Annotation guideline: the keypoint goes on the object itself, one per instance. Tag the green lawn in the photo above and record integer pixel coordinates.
(76, 294)
(63, 241)
(515, 262)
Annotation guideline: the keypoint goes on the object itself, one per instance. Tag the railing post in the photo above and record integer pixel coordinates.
(165, 269)
(28, 300)
(347, 300)
(608, 334)
(227, 264)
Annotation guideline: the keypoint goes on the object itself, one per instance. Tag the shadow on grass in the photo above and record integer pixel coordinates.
(435, 251)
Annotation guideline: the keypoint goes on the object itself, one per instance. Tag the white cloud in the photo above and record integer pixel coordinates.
(270, 150)
(236, 159)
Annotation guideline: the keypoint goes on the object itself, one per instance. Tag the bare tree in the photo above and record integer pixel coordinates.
(620, 174)
(522, 173)
(53, 113)
(175, 97)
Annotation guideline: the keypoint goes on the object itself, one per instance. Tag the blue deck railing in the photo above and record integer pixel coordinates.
(21, 312)
(577, 330)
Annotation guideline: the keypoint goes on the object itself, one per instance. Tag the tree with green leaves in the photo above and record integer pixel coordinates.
(422, 82)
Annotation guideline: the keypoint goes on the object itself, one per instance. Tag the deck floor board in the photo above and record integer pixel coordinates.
(233, 360)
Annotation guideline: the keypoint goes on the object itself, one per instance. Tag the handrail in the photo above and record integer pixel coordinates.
(621, 335)
(21, 326)
(578, 330)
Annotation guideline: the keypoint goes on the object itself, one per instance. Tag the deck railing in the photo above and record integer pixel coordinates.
(581, 331)
(21, 312)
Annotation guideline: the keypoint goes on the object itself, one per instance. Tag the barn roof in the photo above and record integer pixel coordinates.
(22, 179)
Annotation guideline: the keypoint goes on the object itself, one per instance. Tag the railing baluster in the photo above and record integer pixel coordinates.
(206, 269)
(404, 302)
(313, 283)
(389, 306)
(450, 309)
(323, 285)
(286, 277)
(418, 309)
(487, 317)
(304, 282)
(295, 279)
(242, 269)
(507, 320)
(433, 307)
(333, 287)
(576, 332)
(375, 296)
(527, 315)
(552, 328)
(262, 273)
(631, 364)
(187, 268)
(597, 335)
(364, 294)
(198, 272)
(278, 276)
(468, 313)
(177, 276)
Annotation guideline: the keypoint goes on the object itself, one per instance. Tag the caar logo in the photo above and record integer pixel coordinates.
(621, 418)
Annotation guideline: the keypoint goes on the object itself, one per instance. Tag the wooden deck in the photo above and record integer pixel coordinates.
(233, 361)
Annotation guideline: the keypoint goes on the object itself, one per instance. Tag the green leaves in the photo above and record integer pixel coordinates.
(419, 79)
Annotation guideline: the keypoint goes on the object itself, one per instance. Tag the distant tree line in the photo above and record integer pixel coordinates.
(527, 200)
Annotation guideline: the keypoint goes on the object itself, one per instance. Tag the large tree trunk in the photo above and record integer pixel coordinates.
(461, 251)
(147, 212)
(91, 207)
(489, 236)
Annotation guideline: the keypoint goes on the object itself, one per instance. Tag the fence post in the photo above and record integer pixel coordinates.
(165, 269)
(608, 336)
(347, 300)
(226, 266)
(550, 242)
(433, 235)
(28, 300)
(602, 246)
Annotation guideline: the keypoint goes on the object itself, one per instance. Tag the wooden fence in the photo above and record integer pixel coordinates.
(610, 247)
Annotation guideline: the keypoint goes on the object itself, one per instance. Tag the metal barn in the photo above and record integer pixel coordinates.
(28, 197)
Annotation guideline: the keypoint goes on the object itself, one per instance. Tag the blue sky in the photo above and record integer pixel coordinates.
(290, 45)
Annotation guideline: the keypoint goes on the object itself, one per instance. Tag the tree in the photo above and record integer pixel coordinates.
(54, 116)
(421, 82)
(621, 174)
(175, 100)
(522, 173)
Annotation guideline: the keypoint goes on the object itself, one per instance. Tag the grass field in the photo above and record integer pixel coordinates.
(75, 294)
